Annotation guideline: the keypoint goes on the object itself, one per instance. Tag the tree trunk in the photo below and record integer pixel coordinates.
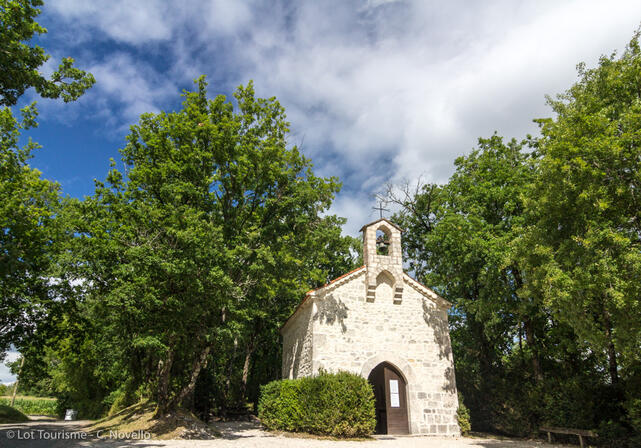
(612, 362)
(531, 342)
(521, 343)
(230, 371)
(164, 371)
(248, 354)
(612, 354)
(15, 385)
(198, 364)
(530, 336)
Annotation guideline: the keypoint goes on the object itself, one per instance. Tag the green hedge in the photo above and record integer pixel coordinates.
(32, 405)
(337, 404)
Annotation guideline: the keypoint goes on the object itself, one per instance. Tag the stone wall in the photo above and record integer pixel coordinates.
(297, 343)
(348, 332)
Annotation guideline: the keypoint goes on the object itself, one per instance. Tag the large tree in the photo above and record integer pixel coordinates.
(460, 239)
(189, 252)
(539, 248)
(31, 234)
(585, 239)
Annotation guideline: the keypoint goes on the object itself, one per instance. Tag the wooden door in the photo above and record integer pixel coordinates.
(391, 400)
(396, 402)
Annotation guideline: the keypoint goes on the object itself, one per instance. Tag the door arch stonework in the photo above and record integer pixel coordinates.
(405, 372)
(392, 358)
(391, 399)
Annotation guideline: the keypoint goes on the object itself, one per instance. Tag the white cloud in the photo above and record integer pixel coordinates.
(6, 377)
(135, 87)
(380, 91)
(418, 83)
(122, 20)
(227, 16)
(125, 88)
(144, 22)
(356, 208)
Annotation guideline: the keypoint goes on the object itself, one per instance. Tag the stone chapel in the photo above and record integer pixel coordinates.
(380, 323)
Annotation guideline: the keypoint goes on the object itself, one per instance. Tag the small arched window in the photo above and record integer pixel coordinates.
(384, 286)
(383, 237)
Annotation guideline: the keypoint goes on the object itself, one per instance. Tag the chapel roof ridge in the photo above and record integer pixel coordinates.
(382, 219)
(335, 280)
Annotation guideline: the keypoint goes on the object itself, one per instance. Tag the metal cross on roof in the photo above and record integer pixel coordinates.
(380, 208)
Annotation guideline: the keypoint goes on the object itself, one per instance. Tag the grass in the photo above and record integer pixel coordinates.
(11, 415)
(139, 417)
(32, 405)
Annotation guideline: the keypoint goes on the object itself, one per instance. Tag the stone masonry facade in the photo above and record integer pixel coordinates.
(376, 314)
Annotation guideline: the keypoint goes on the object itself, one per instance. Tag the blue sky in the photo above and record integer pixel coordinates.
(376, 91)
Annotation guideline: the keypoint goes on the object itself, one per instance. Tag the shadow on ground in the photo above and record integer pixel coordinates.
(59, 434)
(46, 434)
(240, 430)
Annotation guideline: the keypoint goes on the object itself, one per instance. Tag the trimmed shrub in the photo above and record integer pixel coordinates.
(463, 415)
(336, 404)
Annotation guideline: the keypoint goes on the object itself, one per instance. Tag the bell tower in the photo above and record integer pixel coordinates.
(383, 257)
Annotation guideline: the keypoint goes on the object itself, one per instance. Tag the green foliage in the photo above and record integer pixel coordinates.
(188, 261)
(34, 379)
(463, 416)
(123, 397)
(193, 258)
(614, 434)
(634, 411)
(32, 405)
(20, 61)
(340, 405)
(11, 415)
(538, 246)
(633, 408)
(584, 246)
(30, 237)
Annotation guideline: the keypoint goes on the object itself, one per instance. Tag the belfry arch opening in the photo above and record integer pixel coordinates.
(383, 241)
(390, 393)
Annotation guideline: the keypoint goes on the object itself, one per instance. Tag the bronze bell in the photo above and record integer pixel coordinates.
(382, 244)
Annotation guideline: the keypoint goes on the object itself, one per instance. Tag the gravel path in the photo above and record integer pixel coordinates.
(59, 434)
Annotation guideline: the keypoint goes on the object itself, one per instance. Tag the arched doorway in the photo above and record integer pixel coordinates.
(391, 399)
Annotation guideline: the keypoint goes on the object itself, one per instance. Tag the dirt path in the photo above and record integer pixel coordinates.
(59, 434)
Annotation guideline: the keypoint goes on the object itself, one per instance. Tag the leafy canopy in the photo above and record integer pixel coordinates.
(31, 231)
(204, 240)
(21, 61)
(30, 235)
(585, 239)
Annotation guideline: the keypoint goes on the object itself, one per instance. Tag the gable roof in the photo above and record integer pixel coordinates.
(337, 279)
(427, 292)
(310, 293)
(424, 290)
(382, 219)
